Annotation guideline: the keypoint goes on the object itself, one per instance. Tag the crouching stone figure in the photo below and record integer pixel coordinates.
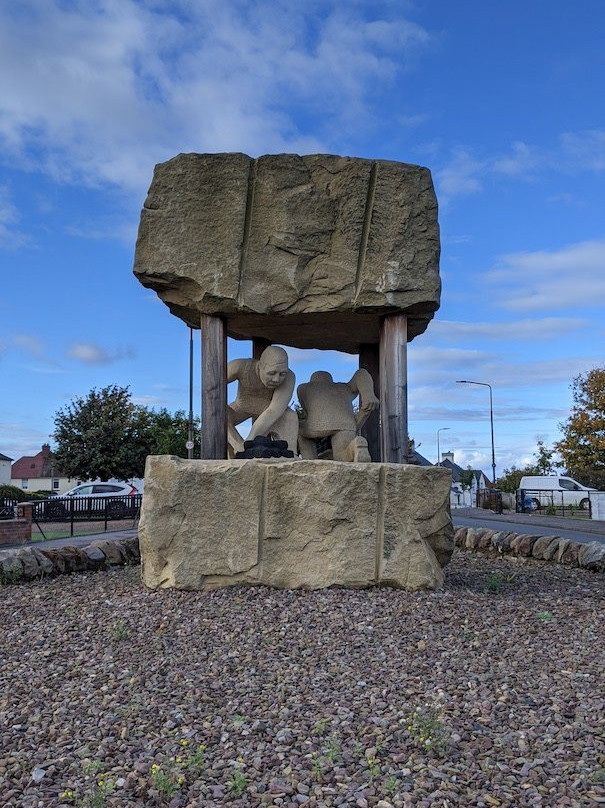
(328, 407)
(264, 390)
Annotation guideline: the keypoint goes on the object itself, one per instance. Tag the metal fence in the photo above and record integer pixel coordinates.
(73, 512)
(553, 503)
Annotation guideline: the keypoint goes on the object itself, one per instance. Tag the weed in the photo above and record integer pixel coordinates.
(598, 776)
(165, 782)
(373, 767)
(427, 729)
(238, 719)
(391, 785)
(494, 585)
(196, 760)
(317, 767)
(321, 726)
(238, 783)
(100, 791)
(333, 749)
(546, 616)
(119, 630)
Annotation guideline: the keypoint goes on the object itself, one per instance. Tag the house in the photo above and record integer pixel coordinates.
(464, 497)
(5, 469)
(39, 473)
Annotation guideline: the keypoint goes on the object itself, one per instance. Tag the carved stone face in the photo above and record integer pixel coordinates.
(272, 374)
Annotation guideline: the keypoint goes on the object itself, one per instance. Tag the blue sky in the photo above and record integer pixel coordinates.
(503, 101)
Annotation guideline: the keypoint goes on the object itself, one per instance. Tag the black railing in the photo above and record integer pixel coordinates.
(7, 507)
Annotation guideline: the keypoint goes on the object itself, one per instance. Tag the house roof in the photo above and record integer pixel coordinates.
(458, 470)
(32, 466)
(4, 457)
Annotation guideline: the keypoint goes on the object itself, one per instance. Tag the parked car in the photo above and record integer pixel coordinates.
(545, 490)
(117, 499)
(101, 490)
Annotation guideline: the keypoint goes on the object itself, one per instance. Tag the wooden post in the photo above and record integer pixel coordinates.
(369, 360)
(393, 389)
(258, 346)
(214, 388)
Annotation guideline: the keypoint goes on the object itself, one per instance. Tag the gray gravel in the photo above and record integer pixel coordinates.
(113, 695)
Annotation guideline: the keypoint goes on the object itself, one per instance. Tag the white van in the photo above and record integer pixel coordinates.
(555, 491)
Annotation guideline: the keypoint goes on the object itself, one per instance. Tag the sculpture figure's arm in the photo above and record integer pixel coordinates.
(234, 369)
(362, 385)
(282, 396)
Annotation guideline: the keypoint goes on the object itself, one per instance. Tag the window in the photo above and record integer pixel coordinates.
(568, 485)
(106, 488)
(25, 484)
(55, 485)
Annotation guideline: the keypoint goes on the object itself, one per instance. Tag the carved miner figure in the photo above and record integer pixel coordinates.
(329, 413)
(264, 390)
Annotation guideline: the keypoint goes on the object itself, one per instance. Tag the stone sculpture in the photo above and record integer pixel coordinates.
(264, 390)
(328, 407)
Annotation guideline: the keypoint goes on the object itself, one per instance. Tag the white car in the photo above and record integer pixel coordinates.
(115, 499)
(101, 490)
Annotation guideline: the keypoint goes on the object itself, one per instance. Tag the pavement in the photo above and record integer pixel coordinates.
(531, 520)
(76, 541)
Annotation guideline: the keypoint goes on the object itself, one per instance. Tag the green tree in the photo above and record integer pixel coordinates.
(103, 435)
(467, 478)
(545, 463)
(582, 446)
(170, 433)
(510, 478)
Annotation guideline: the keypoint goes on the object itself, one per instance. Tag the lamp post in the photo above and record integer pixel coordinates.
(190, 443)
(438, 449)
(491, 419)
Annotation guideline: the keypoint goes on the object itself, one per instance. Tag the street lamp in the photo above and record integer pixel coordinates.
(190, 443)
(438, 451)
(491, 419)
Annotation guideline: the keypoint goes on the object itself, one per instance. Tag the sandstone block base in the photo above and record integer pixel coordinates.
(293, 524)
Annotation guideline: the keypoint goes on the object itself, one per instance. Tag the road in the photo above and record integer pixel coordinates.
(575, 529)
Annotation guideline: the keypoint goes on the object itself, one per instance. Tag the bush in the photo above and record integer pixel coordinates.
(12, 492)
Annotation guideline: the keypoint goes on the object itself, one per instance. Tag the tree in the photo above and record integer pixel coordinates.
(582, 446)
(544, 464)
(467, 479)
(103, 435)
(170, 433)
(509, 481)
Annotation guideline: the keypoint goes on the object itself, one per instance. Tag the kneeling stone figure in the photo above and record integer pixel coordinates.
(328, 407)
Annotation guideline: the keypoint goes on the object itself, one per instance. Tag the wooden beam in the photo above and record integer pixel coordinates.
(214, 388)
(258, 346)
(369, 360)
(393, 389)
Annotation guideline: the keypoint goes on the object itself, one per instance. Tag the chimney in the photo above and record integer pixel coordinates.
(447, 456)
(45, 449)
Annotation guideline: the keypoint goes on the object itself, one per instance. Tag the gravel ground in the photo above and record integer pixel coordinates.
(489, 693)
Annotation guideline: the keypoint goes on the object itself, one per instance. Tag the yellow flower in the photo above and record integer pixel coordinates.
(184, 742)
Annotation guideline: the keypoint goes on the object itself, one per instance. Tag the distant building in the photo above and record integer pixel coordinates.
(40, 473)
(5, 469)
(459, 497)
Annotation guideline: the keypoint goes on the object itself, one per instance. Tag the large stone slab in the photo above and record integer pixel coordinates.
(308, 251)
(293, 524)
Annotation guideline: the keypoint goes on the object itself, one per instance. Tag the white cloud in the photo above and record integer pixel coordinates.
(573, 276)
(584, 150)
(522, 161)
(92, 354)
(29, 343)
(10, 235)
(460, 177)
(98, 92)
(510, 330)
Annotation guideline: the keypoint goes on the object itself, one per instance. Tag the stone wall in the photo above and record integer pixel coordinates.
(32, 562)
(589, 555)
